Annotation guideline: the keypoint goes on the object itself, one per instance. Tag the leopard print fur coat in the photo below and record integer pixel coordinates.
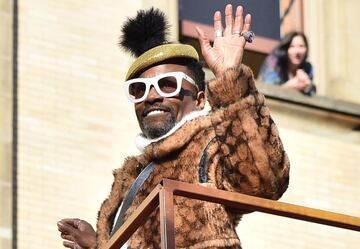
(236, 147)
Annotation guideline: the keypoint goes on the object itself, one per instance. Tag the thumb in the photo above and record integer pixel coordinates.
(203, 40)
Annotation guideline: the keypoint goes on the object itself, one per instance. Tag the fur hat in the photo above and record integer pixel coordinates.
(145, 37)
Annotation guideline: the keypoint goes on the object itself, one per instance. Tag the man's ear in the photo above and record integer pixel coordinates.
(200, 100)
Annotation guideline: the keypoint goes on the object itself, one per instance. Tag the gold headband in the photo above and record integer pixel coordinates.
(159, 54)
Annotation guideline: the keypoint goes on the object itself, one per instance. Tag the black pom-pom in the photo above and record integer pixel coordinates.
(147, 30)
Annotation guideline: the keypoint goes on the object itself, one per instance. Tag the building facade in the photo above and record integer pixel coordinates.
(68, 124)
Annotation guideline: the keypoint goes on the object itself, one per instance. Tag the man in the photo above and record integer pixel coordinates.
(234, 147)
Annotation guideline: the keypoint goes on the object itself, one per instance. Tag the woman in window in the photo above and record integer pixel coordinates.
(287, 65)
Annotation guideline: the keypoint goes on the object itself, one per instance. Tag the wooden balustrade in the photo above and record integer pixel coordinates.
(164, 193)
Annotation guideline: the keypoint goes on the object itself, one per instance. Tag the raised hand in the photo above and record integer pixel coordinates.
(228, 49)
(78, 234)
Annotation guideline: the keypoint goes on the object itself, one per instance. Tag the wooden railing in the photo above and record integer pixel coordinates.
(164, 193)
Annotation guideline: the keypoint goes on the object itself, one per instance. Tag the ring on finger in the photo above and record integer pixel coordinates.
(218, 33)
(238, 33)
(248, 36)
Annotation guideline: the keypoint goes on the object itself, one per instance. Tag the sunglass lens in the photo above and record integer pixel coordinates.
(137, 89)
(168, 84)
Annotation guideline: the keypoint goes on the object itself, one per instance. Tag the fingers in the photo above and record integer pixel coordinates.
(247, 24)
(70, 221)
(69, 244)
(67, 237)
(217, 22)
(238, 19)
(66, 228)
(229, 20)
(232, 25)
(300, 71)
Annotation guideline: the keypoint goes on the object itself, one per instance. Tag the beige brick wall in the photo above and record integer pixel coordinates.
(5, 123)
(75, 127)
(75, 124)
(333, 29)
(324, 154)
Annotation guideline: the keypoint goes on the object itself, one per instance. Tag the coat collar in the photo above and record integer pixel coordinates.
(142, 142)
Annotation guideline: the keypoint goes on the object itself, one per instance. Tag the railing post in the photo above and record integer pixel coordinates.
(139, 216)
(167, 226)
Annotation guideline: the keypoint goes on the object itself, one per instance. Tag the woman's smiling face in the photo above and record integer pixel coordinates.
(297, 51)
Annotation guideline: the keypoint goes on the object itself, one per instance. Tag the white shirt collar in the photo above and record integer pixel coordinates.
(141, 141)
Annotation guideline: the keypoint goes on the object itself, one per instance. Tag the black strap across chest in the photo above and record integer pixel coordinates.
(203, 160)
(129, 198)
(141, 178)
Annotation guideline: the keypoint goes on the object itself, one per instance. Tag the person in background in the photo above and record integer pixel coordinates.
(287, 65)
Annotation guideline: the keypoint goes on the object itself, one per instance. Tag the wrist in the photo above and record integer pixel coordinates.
(232, 85)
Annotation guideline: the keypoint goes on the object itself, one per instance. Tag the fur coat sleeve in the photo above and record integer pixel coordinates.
(250, 153)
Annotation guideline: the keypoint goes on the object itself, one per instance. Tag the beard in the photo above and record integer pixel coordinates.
(157, 129)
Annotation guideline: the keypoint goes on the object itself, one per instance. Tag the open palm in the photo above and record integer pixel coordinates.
(227, 50)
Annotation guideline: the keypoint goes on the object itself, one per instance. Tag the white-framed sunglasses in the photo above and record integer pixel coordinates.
(166, 85)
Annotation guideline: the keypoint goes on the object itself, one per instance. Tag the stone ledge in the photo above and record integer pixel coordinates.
(295, 97)
(318, 102)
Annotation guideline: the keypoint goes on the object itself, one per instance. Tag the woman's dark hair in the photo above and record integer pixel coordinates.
(282, 56)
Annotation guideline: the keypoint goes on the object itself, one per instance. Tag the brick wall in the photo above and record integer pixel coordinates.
(75, 127)
(334, 54)
(5, 122)
(75, 123)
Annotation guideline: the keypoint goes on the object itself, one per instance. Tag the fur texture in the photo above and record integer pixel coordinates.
(247, 157)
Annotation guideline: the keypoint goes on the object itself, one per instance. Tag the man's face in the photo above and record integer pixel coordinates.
(156, 114)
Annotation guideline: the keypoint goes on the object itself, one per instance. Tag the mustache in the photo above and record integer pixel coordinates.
(158, 106)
